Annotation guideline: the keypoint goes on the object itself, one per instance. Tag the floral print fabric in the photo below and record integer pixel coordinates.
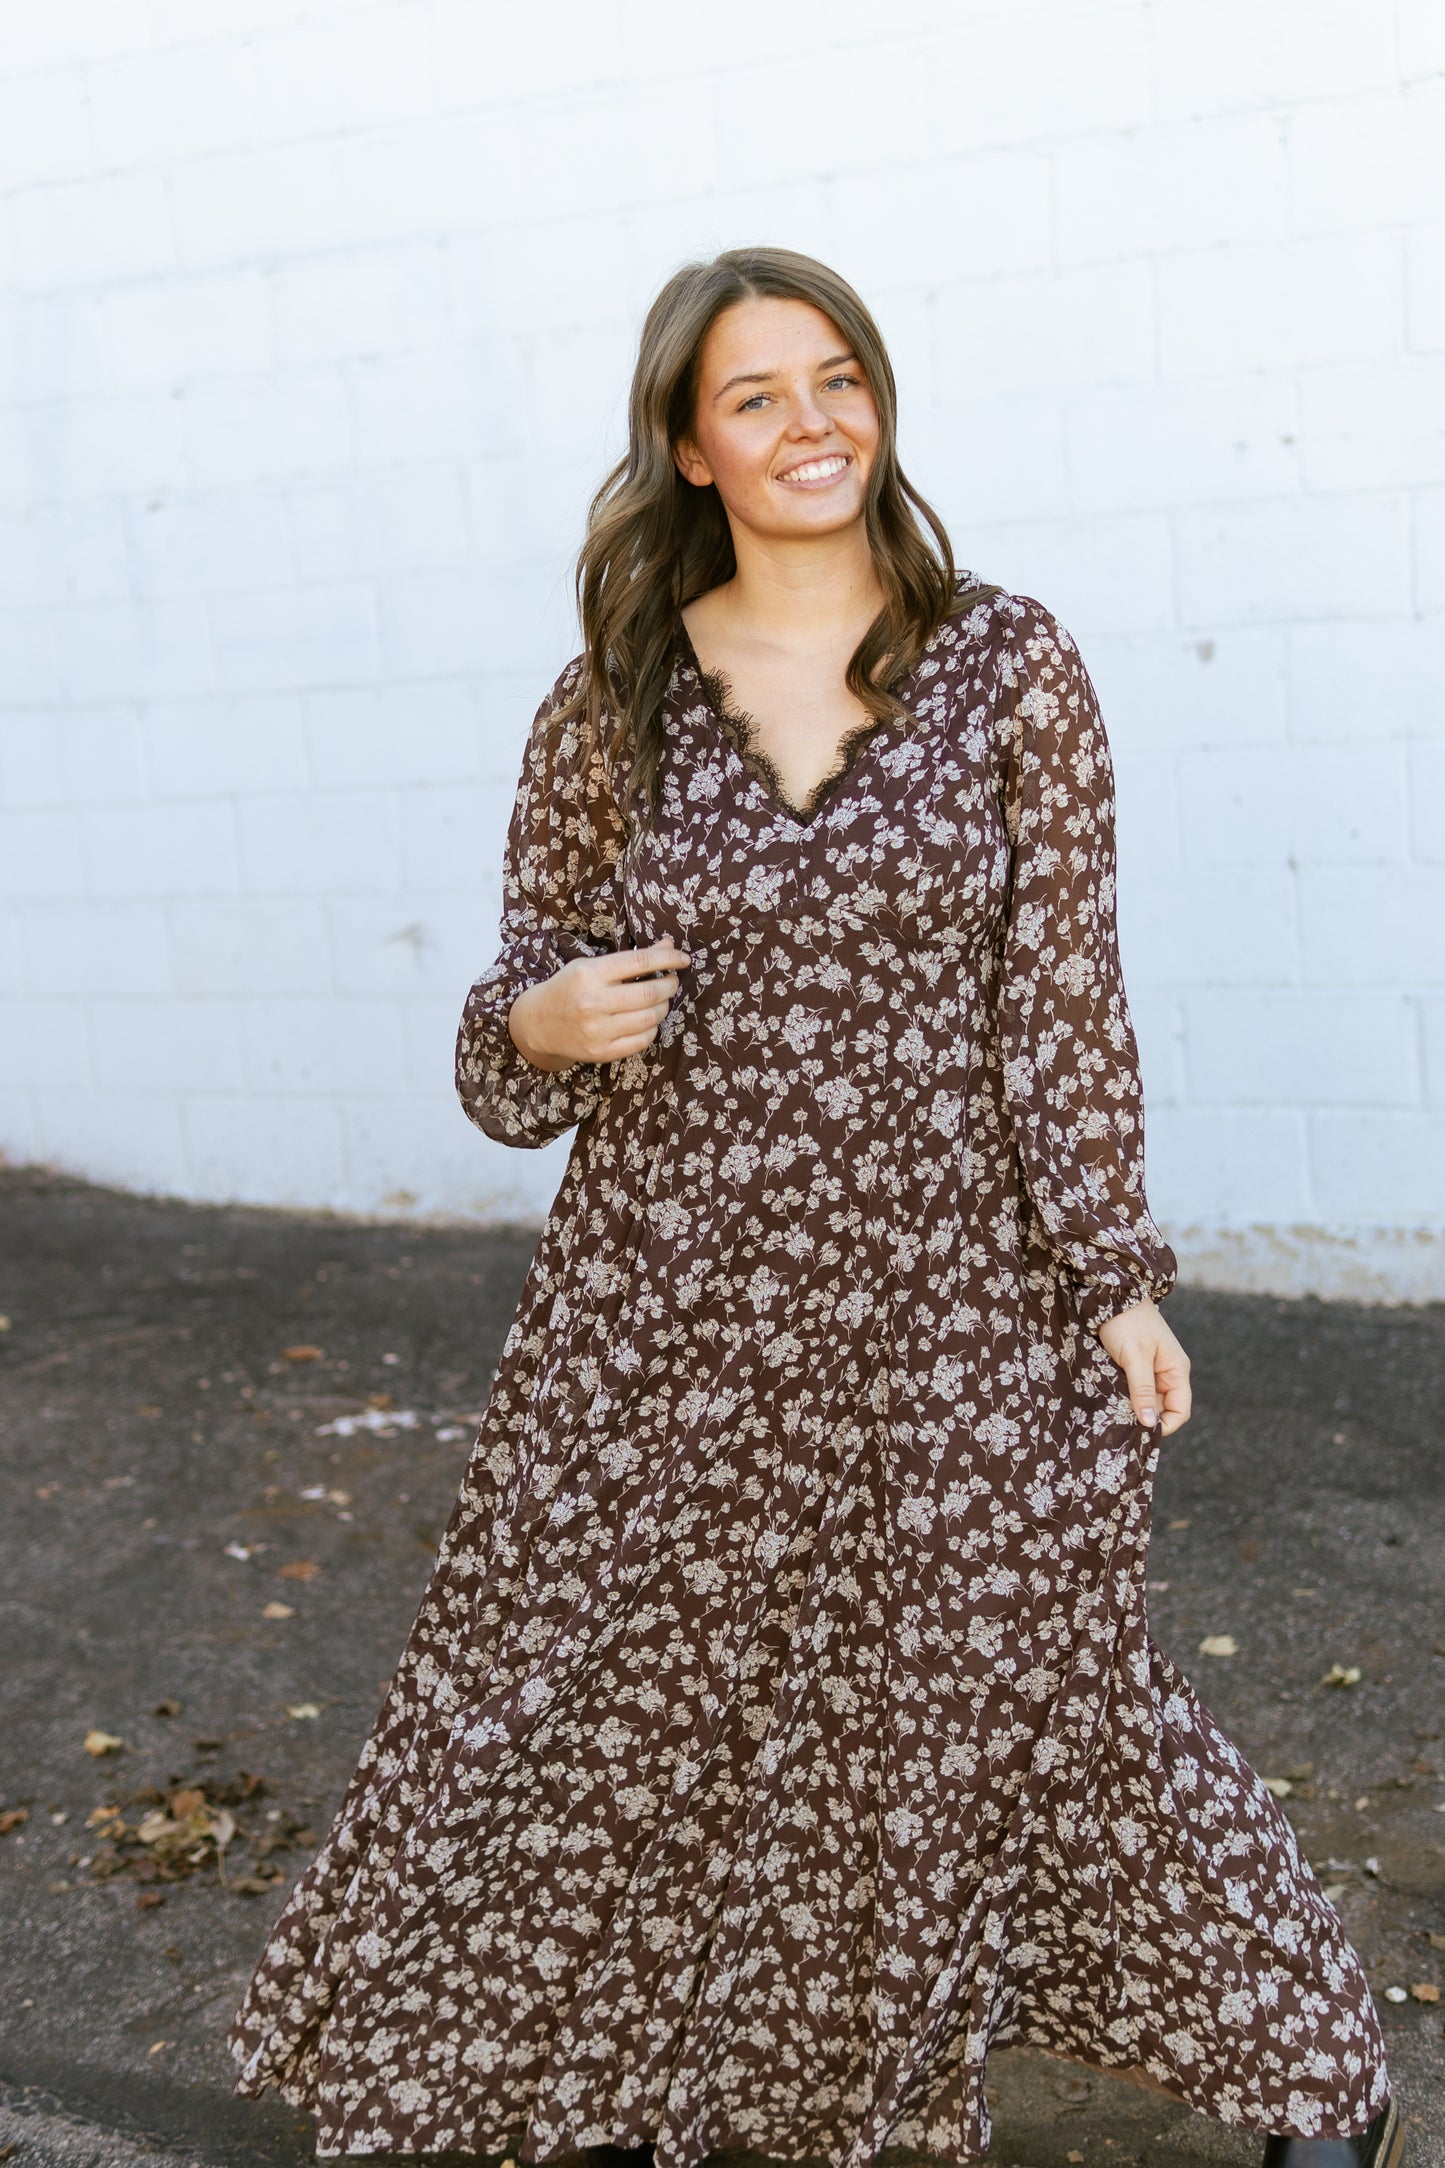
(780, 1729)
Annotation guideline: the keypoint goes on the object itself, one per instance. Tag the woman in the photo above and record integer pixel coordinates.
(780, 1729)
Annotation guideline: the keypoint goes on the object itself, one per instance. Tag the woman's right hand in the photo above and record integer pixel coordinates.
(597, 1008)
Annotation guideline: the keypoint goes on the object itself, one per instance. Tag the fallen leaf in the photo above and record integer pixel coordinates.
(1071, 2088)
(208, 1746)
(168, 1707)
(4, 1324)
(12, 1818)
(302, 1709)
(1280, 1786)
(1181, 1524)
(1436, 1942)
(278, 1610)
(1342, 1675)
(1362, 1803)
(1219, 1645)
(102, 1742)
(1075, 2157)
(256, 1885)
(189, 1801)
(300, 1569)
(1425, 1991)
(303, 1352)
(1336, 1891)
(158, 2045)
(149, 1899)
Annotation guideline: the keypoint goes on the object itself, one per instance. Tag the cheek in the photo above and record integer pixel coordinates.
(738, 466)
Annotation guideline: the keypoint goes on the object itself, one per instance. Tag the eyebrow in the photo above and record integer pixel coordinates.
(766, 376)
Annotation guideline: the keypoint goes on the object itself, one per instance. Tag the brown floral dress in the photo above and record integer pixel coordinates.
(780, 1729)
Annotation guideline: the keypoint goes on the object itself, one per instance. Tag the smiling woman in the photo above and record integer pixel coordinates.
(781, 1729)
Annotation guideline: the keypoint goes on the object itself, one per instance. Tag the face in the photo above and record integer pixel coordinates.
(786, 424)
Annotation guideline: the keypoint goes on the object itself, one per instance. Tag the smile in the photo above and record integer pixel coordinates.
(814, 472)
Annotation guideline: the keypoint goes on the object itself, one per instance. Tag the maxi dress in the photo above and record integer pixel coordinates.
(780, 1728)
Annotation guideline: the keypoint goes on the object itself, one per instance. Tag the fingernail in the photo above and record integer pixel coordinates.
(1149, 1418)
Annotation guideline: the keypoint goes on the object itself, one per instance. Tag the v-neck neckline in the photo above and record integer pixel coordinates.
(739, 730)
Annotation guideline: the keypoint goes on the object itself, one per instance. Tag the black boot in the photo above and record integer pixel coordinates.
(1381, 2146)
(624, 2156)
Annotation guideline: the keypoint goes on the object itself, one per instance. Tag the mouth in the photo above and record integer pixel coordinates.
(816, 473)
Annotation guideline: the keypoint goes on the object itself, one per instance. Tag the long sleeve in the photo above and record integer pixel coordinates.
(561, 898)
(1071, 1064)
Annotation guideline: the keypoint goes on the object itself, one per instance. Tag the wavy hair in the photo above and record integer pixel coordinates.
(655, 541)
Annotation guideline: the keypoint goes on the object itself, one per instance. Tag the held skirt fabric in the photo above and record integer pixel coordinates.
(780, 1728)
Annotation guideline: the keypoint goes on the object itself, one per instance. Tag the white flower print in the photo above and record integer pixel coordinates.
(780, 1725)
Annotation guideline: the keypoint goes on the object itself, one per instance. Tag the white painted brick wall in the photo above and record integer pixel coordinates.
(315, 329)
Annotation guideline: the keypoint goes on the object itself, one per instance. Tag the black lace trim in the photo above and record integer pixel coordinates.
(740, 728)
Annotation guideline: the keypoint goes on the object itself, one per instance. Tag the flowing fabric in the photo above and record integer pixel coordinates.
(780, 1729)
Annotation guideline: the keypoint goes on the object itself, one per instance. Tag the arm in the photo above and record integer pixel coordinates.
(1071, 1065)
(561, 898)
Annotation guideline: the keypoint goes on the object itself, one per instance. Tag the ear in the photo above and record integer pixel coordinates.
(690, 463)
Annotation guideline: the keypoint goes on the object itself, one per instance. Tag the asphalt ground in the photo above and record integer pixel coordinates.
(171, 1471)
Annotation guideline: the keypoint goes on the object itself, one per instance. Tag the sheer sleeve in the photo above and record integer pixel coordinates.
(1071, 1064)
(561, 897)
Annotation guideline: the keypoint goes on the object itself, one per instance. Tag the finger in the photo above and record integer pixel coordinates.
(1176, 1399)
(640, 963)
(632, 998)
(1139, 1378)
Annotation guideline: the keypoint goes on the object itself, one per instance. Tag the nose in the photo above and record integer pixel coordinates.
(807, 418)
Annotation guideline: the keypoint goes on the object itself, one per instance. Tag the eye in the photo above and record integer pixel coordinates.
(756, 401)
(842, 381)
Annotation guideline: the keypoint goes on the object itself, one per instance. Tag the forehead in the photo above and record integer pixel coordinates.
(761, 335)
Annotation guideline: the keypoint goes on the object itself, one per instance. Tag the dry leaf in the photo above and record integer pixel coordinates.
(1181, 1524)
(97, 1815)
(102, 1742)
(4, 1324)
(189, 1801)
(1425, 1991)
(12, 1818)
(159, 2044)
(303, 1352)
(149, 1899)
(1280, 1786)
(302, 1709)
(300, 1569)
(1076, 2157)
(1436, 1942)
(1219, 1645)
(1342, 1675)
(278, 1610)
(169, 1707)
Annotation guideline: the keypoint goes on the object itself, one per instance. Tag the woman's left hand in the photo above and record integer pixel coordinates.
(1155, 1366)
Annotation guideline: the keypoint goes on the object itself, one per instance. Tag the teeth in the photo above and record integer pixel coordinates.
(816, 470)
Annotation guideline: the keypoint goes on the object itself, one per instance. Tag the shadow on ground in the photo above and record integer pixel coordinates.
(212, 1414)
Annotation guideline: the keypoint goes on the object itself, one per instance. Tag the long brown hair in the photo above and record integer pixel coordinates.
(655, 541)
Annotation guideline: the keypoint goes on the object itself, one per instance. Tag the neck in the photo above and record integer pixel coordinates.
(805, 593)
